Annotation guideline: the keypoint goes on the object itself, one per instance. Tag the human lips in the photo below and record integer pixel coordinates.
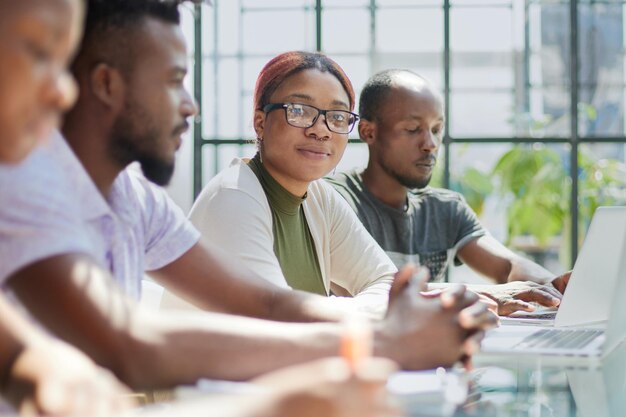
(179, 132)
(181, 129)
(315, 152)
(426, 162)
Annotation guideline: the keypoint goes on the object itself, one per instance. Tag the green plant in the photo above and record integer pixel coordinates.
(475, 186)
(538, 186)
(535, 182)
(601, 182)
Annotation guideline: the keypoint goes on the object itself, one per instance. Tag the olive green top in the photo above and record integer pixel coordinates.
(293, 243)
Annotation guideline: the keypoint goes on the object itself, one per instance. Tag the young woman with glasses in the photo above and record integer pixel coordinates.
(274, 212)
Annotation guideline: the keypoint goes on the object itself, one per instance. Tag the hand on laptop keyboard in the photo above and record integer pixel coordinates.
(517, 295)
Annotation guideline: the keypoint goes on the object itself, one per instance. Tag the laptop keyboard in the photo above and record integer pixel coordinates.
(559, 339)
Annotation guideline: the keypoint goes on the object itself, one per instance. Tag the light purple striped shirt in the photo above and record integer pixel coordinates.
(50, 206)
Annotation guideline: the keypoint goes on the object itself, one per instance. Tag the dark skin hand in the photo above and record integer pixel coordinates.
(516, 296)
(560, 282)
(449, 327)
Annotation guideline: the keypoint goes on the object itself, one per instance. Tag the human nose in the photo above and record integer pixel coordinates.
(189, 107)
(60, 89)
(319, 130)
(431, 142)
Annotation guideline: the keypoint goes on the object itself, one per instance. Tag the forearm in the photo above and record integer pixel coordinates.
(16, 335)
(187, 347)
(159, 350)
(298, 306)
(10, 350)
(526, 270)
(231, 288)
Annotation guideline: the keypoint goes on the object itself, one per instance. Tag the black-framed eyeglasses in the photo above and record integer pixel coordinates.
(305, 116)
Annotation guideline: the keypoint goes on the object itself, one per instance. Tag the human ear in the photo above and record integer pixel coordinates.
(259, 123)
(367, 131)
(108, 85)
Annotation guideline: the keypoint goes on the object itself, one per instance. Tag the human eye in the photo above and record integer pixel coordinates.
(297, 109)
(38, 52)
(415, 129)
(339, 117)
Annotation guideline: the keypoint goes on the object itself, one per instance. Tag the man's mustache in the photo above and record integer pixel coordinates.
(430, 160)
(182, 128)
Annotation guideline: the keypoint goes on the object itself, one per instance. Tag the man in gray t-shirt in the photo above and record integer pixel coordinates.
(429, 230)
(402, 122)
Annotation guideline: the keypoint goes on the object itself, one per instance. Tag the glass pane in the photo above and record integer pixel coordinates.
(460, 3)
(208, 40)
(251, 69)
(346, 31)
(521, 194)
(209, 110)
(357, 68)
(355, 156)
(465, 36)
(427, 64)
(228, 100)
(344, 3)
(601, 180)
(278, 31)
(227, 21)
(547, 115)
(549, 77)
(413, 3)
(397, 31)
(246, 117)
(601, 45)
(275, 4)
(187, 25)
(208, 164)
(482, 70)
(483, 84)
(481, 114)
(219, 157)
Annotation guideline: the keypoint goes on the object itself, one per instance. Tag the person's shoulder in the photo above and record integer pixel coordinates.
(131, 184)
(346, 180)
(43, 175)
(237, 176)
(321, 189)
(325, 195)
(436, 195)
(237, 181)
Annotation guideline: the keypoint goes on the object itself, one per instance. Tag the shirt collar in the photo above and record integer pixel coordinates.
(93, 204)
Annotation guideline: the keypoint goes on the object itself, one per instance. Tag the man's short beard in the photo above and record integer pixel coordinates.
(128, 145)
(156, 170)
(408, 182)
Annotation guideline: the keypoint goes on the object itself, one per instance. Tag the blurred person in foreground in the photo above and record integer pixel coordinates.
(37, 373)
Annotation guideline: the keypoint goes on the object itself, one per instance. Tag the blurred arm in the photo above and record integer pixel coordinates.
(79, 302)
(214, 280)
(490, 258)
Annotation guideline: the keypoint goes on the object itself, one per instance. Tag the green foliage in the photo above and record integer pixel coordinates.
(538, 186)
(535, 186)
(602, 182)
(475, 186)
(535, 181)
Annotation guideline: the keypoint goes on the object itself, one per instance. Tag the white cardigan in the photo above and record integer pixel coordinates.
(233, 213)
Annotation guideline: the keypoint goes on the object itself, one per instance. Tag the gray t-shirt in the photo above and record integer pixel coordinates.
(434, 226)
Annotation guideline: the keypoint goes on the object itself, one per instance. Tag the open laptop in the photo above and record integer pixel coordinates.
(591, 319)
